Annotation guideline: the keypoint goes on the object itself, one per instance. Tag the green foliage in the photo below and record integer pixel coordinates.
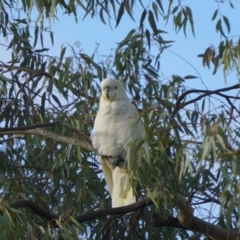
(191, 143)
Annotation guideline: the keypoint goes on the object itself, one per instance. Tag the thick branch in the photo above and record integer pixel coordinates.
(161, 220)
(187, 220)
(114, 211)
(35, 208)
(85, 217)
(216, 232)
(200, 226)
(185, 215)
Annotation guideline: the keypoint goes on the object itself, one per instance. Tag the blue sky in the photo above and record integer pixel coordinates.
(91, 31)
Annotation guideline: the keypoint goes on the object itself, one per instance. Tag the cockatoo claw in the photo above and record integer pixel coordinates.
(118, 162)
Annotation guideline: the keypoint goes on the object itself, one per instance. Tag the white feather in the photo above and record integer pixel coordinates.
(115, 124)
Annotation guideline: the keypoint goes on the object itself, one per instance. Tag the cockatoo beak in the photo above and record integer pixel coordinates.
(108, 94)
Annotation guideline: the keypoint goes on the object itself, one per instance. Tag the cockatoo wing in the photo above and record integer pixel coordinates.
(122, 192)
(107, 172)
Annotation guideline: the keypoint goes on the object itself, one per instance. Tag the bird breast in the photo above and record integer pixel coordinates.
(112, 129)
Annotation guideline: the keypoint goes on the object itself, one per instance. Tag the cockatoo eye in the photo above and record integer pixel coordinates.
(116, 87)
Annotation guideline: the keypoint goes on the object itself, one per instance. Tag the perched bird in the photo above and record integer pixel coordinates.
(116, 127)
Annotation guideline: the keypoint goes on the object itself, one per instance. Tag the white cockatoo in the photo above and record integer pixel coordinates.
(116, 124)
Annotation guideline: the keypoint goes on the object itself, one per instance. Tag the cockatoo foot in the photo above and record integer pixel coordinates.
(119, 162)
(115, 161)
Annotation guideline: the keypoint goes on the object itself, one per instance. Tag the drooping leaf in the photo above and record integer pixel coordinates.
(214, 14)
(227, 23)
(144, 13)
(151, 21)
(190, 77)
(148, 38)
(120, 13)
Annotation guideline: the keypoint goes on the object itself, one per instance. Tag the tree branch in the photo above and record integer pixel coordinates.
(12, 67)
(200, 226)
(159, 220)
(36, 130)
(186, 212)
(205, 93)
(114, 211)
(39, 125)
(85, 217)
(187, 220)
(34, 207)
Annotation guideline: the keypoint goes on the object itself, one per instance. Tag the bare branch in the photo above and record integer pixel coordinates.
(13, 137)
(85, 217)
(37, 130)
(186, 212)
(52, 135)
(11, 68)
(29, 127)
(35, 208)
(76, 131)
(179, 106)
